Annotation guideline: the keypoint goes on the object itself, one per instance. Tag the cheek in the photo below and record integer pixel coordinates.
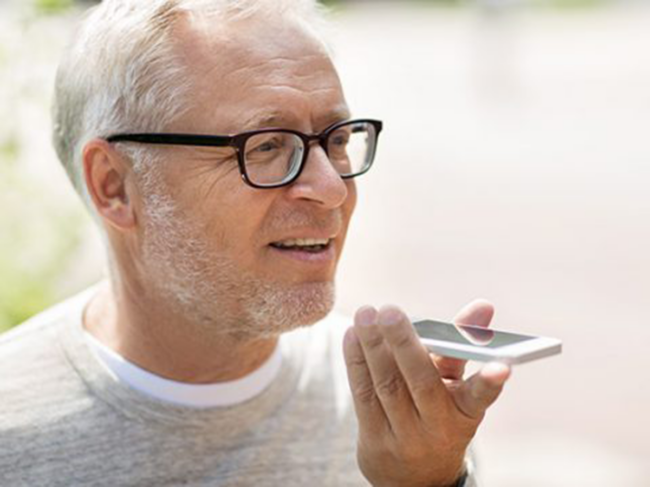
(234, 220)
(351, 201)
(217, 208)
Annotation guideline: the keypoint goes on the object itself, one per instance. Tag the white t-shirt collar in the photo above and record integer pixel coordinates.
(221, 394)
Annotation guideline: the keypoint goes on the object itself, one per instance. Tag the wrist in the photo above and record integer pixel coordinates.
(463, 476)
(457, 478)
(461, 480)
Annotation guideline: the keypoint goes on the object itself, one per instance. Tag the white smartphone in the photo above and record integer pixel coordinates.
(483, 344)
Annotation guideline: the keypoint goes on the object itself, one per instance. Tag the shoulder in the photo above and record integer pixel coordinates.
(39, 330)
(34, 371)
(33, 338)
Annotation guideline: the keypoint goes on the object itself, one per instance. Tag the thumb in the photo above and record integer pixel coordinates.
(478, 392)
(478, 313)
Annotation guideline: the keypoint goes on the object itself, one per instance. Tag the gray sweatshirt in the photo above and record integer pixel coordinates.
(66, 421)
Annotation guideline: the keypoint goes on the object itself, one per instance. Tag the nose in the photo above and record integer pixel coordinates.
(319, 181)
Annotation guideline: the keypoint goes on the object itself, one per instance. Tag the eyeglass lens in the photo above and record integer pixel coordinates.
(274, 157)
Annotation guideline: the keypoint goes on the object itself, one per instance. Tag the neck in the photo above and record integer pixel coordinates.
(147, 334)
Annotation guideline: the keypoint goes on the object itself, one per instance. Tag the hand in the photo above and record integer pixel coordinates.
(416, 413)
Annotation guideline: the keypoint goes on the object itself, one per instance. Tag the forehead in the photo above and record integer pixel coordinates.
(252, 73)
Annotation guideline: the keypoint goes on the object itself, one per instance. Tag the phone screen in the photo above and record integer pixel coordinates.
(467, 335)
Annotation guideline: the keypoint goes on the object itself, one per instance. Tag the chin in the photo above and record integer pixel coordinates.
(257, 310)
(278, 311)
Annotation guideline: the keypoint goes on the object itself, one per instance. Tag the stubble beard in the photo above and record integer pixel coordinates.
(209, 290)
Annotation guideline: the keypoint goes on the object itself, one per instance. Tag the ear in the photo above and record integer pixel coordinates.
(107, 173)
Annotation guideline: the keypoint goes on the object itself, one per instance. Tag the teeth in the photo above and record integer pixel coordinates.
(303, 242)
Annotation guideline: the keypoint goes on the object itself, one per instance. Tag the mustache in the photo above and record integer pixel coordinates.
(332, 222)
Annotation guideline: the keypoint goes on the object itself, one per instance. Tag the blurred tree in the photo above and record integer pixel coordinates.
(36, 243)
(53, 6)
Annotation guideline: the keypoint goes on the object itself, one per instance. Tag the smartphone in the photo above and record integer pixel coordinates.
(469, 342)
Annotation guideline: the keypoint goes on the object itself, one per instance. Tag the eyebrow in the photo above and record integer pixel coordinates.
(275, 119)
(264, 120)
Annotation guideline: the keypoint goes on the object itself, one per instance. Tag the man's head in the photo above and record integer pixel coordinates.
(184, 231)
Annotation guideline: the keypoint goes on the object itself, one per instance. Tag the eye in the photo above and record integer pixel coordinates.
(340, 138)
(265, 146)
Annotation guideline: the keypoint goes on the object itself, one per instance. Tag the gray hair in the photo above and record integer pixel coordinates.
(120, 72)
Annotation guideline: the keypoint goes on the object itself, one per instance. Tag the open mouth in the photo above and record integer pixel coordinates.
(312, 245)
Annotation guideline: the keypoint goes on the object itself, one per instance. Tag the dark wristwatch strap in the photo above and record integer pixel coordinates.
(461, 481)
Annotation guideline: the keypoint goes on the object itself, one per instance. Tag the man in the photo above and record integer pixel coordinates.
(212, 142)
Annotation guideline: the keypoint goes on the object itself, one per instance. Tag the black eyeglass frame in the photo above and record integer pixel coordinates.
(238, 142)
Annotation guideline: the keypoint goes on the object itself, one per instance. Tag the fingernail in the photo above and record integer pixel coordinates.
(391, 315)
(366, 316)
(496, 371)
(350, 337)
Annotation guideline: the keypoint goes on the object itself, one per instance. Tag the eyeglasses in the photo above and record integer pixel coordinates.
(272, 158)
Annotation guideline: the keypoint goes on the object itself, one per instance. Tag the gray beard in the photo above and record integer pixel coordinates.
(208, 290)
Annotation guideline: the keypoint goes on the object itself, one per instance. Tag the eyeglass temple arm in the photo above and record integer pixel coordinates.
(174, 139)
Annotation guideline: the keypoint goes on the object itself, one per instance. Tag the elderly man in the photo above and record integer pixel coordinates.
(212, 142)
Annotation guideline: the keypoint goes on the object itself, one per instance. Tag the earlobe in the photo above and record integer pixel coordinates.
(105, 174)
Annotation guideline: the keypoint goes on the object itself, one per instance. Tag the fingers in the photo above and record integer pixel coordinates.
(477, 393)
(479, 313)
(389, 384)
(411, 357)
(369, 410)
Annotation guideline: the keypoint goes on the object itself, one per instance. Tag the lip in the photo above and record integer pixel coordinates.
(308, 235)
(326, 255)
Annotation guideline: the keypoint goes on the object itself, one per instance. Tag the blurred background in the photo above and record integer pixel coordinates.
(514, 166)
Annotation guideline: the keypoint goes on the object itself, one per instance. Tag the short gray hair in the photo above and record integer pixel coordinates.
(120, 73)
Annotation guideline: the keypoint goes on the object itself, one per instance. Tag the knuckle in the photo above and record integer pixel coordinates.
(355, 361)
(365, 394)
(423, 388)
(400, 337)
(374, 341)
(390, 386)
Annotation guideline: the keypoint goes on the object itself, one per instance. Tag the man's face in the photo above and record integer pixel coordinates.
(208, 239)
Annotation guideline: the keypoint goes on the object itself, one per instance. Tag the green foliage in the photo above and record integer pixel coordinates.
(341, 3)
(52, 6)
(8, 152)
(36, 241)
(453, 3)
(569, 4)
